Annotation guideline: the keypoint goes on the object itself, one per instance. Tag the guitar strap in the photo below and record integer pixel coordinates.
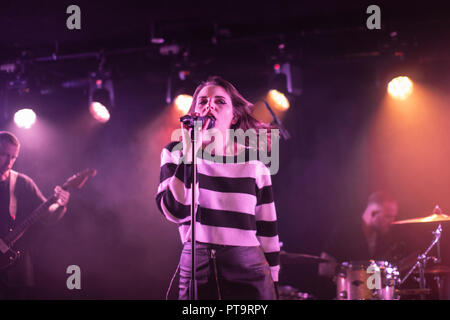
(12, 197)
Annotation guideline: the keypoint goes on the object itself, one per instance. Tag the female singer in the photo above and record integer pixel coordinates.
(237, 246)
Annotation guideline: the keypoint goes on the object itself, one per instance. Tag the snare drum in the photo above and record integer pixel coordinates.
(367, 280)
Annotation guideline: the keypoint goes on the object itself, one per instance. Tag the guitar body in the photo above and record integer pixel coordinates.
(8, 256)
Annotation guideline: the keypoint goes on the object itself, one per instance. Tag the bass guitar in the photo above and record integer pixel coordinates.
(8, 255)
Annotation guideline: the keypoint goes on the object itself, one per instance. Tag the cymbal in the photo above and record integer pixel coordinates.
(435, 217)
(436, 270)
(295, 258)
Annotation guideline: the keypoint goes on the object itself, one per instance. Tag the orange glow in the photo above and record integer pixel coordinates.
(400, 87)
(278, 100)
(408, 151)
(183, 103)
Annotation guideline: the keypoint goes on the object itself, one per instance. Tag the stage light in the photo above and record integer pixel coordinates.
(286, 78)
(400, 87)
(155, 34)
(180, 86)
(25, 118)
(101, 96)
(278, 100)
(99, 112)
(184, 74)
(183, 103)
(284, 85)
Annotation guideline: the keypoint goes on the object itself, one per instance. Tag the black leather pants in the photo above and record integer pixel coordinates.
(226, 272)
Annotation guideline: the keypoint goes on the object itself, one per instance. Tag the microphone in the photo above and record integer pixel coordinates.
(207, 121)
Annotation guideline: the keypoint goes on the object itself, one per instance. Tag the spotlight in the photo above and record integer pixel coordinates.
(278, 100)
(400, 87)
(25, 118)
(101, 96)
(20, 100)
(155, 35)
(284, 85)
(180, 86)
(286, 78)
(183, 103)
(99, 112)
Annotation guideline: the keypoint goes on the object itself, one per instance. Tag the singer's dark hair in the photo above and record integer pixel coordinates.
(242, 108)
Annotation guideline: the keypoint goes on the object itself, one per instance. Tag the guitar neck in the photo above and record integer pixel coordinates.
(18, 230)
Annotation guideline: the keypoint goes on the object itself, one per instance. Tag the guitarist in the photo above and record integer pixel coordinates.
(19, 196)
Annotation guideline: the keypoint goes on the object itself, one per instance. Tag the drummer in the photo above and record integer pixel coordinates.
(365, 239)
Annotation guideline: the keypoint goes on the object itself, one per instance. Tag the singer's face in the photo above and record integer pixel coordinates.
(215, 101)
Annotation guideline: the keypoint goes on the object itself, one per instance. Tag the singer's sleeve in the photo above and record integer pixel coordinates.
(266, 220)
(173, 197)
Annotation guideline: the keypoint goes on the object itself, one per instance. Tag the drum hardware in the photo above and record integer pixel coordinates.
(290, 293)
(299, 258)
(437, 270)
(354, 280)
(286, 292)
(422, 260)
(436, 216)
(420, 267)
(351, 276)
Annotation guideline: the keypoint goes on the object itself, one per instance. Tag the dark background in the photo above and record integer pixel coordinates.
(343, 146)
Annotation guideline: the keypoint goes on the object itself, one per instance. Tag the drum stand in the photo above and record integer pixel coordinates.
(422, 261)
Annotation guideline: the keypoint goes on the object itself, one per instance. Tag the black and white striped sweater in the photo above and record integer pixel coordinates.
(235, 202)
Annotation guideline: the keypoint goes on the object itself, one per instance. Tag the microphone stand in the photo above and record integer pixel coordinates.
(193, 284)
(284, 133)
(192, 122)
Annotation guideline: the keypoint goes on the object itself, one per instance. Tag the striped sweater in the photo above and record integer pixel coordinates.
(234, 202)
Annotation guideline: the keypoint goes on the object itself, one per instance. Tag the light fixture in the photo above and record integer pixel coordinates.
(286, 78)
(101, 94)
(180, 88)
(183, 103)
(99, 112)
(400, 87)
(278, 100)
(20, 100)
(25, 118)
(284, 84)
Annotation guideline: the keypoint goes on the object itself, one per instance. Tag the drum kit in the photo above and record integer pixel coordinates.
(381, 280)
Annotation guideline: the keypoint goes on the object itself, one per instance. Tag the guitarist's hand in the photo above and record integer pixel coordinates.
(62, 196)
